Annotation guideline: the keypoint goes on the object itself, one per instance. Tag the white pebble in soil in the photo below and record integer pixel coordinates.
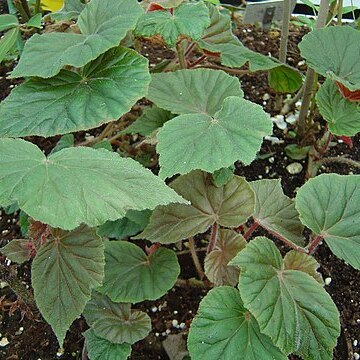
(355, 343)
(4, 341)
(175, 323)
(328, 281)
(294, 168)
(356, 356)
(279, 121)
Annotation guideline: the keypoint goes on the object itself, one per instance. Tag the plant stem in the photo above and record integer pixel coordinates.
(285, 31)
(303, 124)
(340, 159)
(189, 49)
(195, 258)
(251, 229)
(287, 242)
(20, 8)
(198, 61)
(37, 6)
(9, 275)
(213, 238)
(181, 55)
(340, 12)
(314, 244)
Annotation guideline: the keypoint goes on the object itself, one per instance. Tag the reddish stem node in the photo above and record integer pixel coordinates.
(213, 238)
(314, 244)
(251, 229)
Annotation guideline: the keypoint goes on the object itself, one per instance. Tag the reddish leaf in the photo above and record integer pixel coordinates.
(154, 7)
(347, 140)
(348, 94)
(209, 53)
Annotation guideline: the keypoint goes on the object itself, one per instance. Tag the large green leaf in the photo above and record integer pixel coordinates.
(7, 42)
(334, 52)
(289, 305)
(229, 205)
(342, 115)
(76, 185)
(116, 322)
(103, 91)
(200, 91)
(8, 21)
(228, 244)
(223, 329)
(209, 143)
(150, 120)
(133, 276)
(276, 212)
(64, 271)
(103, 23)
(330, 206)
(102, 349)
(17, 250)
(70, 10)
(187, 20)
(284, 79)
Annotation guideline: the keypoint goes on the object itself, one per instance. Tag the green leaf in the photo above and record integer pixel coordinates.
(276, 212)
(70, 10)
(149, 121)
(290, 306)
(131, 224)
(296, 152)
(103, 144)
(116, 322)
(223, 175)
(193, 91)
(7, 42)
(168, 4)
(342, 115)
(228, 244)
(284, 79)
(102, 23)
(8, 21)
(65, 141)
(101, 349)
(64, 271)
(35, 21)
(104, 90)
(187, 20)
(234, 133)
(333, 52)
(76, 185)
(229, 206)
(295, 260)
(329, 206)
(132, 276)
(223, 329)
(17, 250)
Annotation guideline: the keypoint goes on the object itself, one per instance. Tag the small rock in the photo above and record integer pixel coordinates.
(355, 343)
(273, 139)
(154, 309)
(3, 284)
(4, 341)
(294, 168)
(182, 325)
(291, 119)
(175, 323)
(328, 281)
(271, 160)
(279, 121)
(266, 97)
(356, 356)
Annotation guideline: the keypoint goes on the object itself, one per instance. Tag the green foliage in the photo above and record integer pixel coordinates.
(223, 329)
(342, 116)
(102, 349)
(64, 272)
(76, 185)
(329, 206)
(8, 42)
(229, 206)
(187, 20)
(71, 10)
(333, 52)
(102, 23)
(275, 211)
(104, 90)
(116, 322)
(290, 306)
(133, 276)
(8, 21)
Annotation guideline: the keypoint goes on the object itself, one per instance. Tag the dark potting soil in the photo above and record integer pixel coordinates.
(30, 338)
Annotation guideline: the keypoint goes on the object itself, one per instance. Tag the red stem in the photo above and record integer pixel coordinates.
(287, 242)
(251, 229)
(314, 244)
(198, 61)
(189, 49)
(213, 238)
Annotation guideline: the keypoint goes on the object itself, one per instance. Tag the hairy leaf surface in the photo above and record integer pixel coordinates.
(229, 205)
(17, 250)
(76, 185)
(64, 271)
(330, 206)
(209, 143)
(187, 20)
(133, 276)
(342, 116)
(275, 211)
(116, 322)
(104, 90)
(223, 329)
(290, 306)
(70, 10)
(102, 23)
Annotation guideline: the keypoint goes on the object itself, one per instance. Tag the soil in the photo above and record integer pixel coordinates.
(30, 338)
